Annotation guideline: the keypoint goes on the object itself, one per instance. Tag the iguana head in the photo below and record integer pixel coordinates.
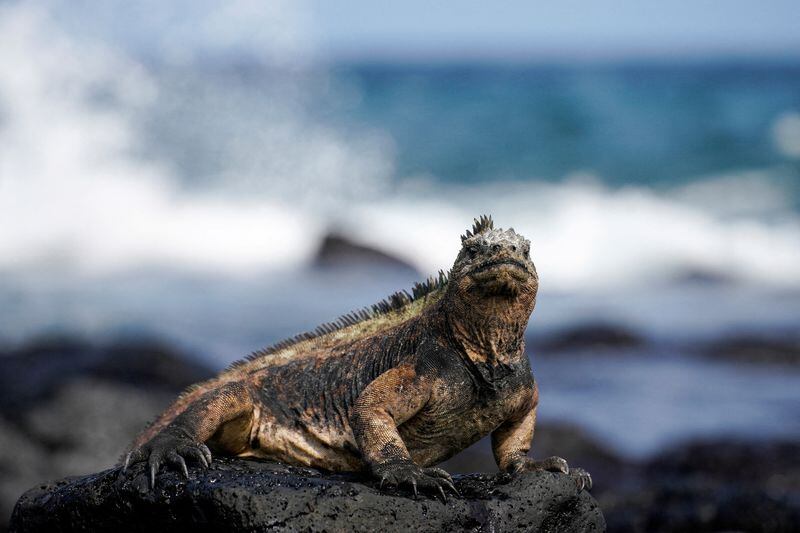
(494, 264)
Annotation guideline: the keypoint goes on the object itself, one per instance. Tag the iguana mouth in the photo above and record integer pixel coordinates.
(497, 262)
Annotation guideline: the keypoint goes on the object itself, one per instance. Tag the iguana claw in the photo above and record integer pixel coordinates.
(582, 478)
(554, 464)
(419, 479)
(168, 449)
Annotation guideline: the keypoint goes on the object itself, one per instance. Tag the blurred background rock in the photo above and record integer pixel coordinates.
(182, 184)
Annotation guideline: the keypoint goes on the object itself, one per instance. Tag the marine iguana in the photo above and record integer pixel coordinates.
(393, 389)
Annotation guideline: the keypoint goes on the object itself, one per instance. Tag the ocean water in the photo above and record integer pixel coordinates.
(186, 200)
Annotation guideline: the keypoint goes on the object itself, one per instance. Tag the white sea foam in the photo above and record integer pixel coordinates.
(585, 235)
(74, 198)
(786, 134)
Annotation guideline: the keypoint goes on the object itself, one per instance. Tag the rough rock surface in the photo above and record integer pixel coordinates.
(241, 495)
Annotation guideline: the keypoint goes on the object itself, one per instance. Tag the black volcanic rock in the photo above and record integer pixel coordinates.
(340, 251)
(248, 495)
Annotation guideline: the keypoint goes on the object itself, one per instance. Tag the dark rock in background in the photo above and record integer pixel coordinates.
(718, 485)
(236, 494)
(703, 276)
(755, 349)
(339, 251)
(772, 465)
(37, 370)
(598, 336)
(781, 348)
(684, 505)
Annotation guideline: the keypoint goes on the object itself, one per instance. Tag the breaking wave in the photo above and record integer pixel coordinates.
(81, 192)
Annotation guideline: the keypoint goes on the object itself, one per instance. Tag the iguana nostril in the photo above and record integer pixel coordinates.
(496, 248)
(513, 247)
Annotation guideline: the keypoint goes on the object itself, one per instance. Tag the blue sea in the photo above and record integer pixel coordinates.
(186, 200)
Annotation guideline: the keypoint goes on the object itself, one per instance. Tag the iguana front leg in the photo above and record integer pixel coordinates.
(512, 441)
(393, 398)
(223, 417)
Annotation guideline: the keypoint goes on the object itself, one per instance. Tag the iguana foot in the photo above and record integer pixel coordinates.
(409, 474)
(551, 464)
(555, 464)
(582, 478)
(169, 448)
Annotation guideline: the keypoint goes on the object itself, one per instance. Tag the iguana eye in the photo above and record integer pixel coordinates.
(472, 250)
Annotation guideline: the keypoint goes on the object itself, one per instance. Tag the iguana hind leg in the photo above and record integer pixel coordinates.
(222, 417)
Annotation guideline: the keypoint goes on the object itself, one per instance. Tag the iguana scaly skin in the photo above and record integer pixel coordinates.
(393, 389)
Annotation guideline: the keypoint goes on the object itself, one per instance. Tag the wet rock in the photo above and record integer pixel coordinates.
(339, 251)
(755, 349)
(235, 495)
(597, 336)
